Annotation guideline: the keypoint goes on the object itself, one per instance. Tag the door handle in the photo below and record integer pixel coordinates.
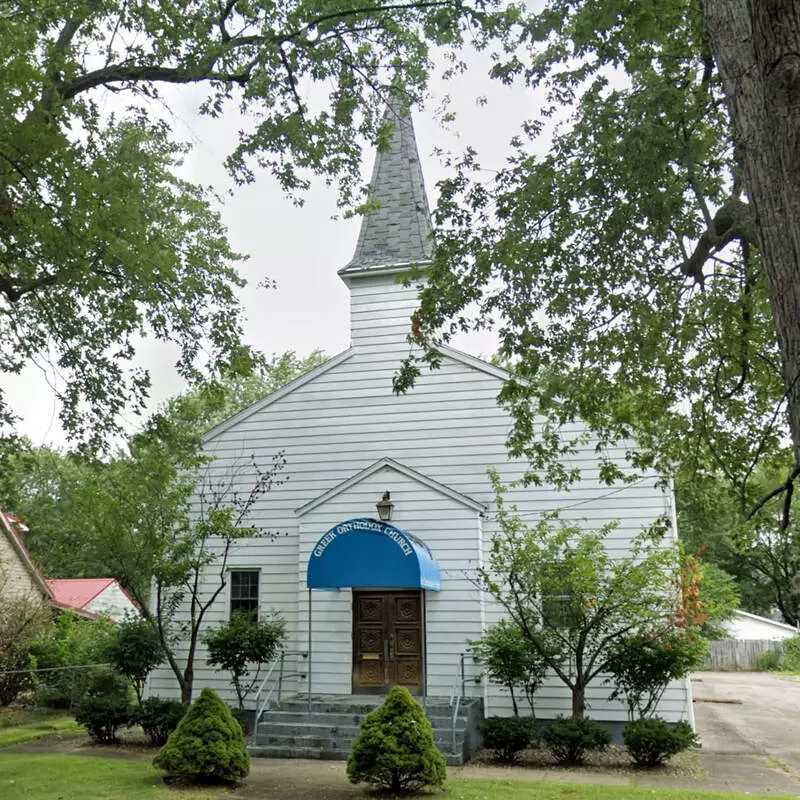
(391, 646)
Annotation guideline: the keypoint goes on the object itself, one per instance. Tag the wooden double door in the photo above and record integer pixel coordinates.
(388, 641)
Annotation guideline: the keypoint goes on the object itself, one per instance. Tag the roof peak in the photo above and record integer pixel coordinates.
(397, 232)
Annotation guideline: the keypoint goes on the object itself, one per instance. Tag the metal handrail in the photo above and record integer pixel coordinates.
(265, 704)
(455, 698)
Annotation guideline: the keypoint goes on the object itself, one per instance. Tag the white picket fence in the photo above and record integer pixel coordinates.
(738, 653)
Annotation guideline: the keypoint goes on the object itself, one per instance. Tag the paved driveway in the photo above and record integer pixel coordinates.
(749, 713)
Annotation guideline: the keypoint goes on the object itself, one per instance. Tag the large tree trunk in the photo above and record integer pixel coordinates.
(756, 44)
(578, 699)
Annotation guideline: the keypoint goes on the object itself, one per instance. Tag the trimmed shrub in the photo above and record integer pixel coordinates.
(508, 736)
(158, 718)
(395, 749)
(652, 741)
(208, 744)
(571, 738)
(105, 706)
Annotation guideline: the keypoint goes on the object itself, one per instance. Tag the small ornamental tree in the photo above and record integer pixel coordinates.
(510, 660)
(395, 750)
(135, 652)
(572, 600)
(241, 646)
(643, 664)
(208, 744)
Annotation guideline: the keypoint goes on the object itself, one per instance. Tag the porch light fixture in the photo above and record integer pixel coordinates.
(384, 506)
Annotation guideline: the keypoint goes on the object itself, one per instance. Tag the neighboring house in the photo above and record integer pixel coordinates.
(744, 625)
(19, 576)
(102, 597)
(381, 603)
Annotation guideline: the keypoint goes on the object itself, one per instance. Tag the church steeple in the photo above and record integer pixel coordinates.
(398, 232)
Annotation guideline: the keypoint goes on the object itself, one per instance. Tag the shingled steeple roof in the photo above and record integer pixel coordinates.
(398, 232)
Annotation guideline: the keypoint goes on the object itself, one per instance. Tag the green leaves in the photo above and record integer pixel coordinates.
(242, 646)
(624, 294)
(570, 598)
(100, 242)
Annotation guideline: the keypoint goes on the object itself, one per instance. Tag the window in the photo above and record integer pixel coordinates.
(244, 591)
(558, 602)
(558, 611)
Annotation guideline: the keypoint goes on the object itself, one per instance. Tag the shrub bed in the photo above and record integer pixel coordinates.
(571, 738)
(651, 742)
(509, 736)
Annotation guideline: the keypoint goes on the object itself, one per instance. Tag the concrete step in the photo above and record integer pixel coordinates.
(296, 718)
(325, 728)
(437, 708)
(342, 743)
(280, 751)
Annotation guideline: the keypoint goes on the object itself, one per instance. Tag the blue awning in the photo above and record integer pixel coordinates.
(367, 554)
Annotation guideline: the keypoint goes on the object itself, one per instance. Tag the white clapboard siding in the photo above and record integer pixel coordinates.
(343, 418)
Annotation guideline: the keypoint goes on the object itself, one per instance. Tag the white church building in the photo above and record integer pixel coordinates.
(394, 601)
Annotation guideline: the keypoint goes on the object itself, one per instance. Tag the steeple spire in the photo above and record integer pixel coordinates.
(398, 232)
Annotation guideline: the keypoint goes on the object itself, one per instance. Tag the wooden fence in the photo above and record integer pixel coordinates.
(738, 653)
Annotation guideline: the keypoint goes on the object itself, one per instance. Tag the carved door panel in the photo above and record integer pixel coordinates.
(387, 641)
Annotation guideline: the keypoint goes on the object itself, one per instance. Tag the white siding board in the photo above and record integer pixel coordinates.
(450, 428)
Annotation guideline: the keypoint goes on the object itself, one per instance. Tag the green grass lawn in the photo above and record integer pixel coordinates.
(518, 790)
(49, 777)
(88, 778)
(22, 725)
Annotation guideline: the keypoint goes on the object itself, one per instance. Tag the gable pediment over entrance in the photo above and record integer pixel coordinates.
(401, 469)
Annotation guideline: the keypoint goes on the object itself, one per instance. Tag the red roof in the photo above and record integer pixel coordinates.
(77, 592)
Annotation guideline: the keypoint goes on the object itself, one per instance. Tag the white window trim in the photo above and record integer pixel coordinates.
(229, 588)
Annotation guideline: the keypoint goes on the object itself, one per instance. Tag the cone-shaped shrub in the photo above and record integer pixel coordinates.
(208, 743)
(395, 750)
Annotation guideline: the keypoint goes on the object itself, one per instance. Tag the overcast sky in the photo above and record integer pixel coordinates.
(301, 248)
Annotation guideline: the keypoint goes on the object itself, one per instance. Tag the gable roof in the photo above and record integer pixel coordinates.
(9, 525)
(301, 380)
(782, 626)
(77, 593)
(398, 231)
(449, 352)
(435, 485)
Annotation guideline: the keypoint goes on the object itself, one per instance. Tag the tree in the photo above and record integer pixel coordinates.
(23, 619)
(100, 241)
(242, 643)
(71, 503)
(571, 599)
(135, 652)
(505, 653)
(170, 527)
(643, 664)
(627, 269)
(760, 554)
